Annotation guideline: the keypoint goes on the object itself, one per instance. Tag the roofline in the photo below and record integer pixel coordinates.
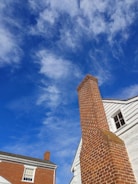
(125, 101)
(4, 156)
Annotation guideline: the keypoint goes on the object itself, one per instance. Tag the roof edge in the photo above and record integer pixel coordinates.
(4, 156)
(125, 101)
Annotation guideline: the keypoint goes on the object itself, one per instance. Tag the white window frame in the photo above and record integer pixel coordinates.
(116, 114)
(33, 176)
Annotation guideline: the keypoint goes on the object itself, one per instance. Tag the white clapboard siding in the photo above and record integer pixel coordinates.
(131, 111)
(76, 167)
(76, 159)
(130, 138)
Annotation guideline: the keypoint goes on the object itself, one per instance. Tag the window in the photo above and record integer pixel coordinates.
(119, 120)
(29, 173)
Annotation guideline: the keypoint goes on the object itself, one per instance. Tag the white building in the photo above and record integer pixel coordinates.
(122, 118)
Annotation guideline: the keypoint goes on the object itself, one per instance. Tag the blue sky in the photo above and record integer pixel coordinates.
(46, 49)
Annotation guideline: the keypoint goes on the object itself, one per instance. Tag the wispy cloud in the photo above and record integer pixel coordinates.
(71, 25)
(128, 92)
(63, 75)
(108, 17)
(60, 6)
(89, 17)
(10, 51)
(56, 67)
(99, 64)
(50, 96)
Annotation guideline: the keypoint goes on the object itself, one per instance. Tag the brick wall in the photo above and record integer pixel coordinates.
(13, 172)
(103, 157)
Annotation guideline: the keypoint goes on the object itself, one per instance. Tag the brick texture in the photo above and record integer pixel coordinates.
(13, 172)
(103, 157)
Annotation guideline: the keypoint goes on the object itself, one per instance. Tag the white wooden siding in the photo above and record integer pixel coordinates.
(76, 167)
(130, 138)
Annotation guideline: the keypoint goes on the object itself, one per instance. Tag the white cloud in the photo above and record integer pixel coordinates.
(70, 7)
(50, 13)
(63, 74)
(48, 16)
(88, 18)
(10, 51)
(108, 17)
(92, 9)
(45, 23)
(56, 67)
(68, 40)
(122, 17)
(50, 96)
(99, 65)
(103, 75)
(37, 5)
(129, 92)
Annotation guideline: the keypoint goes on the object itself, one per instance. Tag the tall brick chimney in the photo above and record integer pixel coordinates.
(103, 157)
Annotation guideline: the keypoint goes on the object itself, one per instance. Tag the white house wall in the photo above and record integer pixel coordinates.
(130, 138)
(131, 112)
(76, 167)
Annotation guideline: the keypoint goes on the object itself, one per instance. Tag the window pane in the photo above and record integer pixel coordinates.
(115, 118)
(28, 179)
(120, 115)
(117, 125)
(122, 122)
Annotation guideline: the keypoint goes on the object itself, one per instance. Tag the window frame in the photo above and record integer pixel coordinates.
(119, 119)
(33, 175)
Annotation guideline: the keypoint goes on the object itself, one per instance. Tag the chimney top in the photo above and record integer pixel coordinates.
(88, 76)
(47, 155)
